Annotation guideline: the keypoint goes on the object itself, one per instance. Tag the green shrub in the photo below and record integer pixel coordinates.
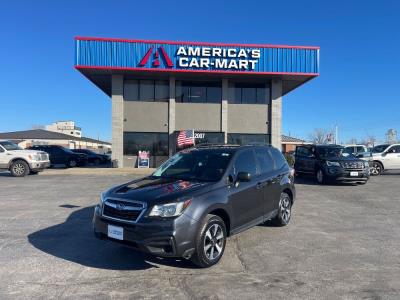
(289, 159)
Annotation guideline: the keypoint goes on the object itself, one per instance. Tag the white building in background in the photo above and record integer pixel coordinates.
(65, 127)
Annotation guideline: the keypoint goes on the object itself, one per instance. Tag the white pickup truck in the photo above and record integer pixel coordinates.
(21, 162)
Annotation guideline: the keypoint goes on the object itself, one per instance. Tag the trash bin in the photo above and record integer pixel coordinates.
(115, 163)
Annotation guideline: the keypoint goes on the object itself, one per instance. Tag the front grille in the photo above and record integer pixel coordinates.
(123, 210)
(352, 165)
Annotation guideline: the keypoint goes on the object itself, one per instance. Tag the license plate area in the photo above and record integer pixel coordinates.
(353, 173)
(115, 232)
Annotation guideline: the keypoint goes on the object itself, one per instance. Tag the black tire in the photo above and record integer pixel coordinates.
(97, 162)
(320, 176)
(203, 257)
(376, 169)
(284, 210)
(19, 168)
(72, 163)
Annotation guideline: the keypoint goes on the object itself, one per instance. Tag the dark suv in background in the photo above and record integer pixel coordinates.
(330, 163)
(93, 157)
(64, 156)
(196, 199)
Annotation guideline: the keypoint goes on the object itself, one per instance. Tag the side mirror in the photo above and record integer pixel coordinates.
(243, 177)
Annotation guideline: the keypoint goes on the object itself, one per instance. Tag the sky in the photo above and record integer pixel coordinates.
(357, 89)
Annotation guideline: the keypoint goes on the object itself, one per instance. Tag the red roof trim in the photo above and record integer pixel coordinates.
(81, 38)
(193, 71)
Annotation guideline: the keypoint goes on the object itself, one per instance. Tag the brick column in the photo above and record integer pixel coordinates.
(117, 117)
(275, 120)
(171, 116)
(224, 109)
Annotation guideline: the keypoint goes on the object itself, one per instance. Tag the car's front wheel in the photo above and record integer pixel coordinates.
(376, 168)
(19, 168)
(210, 242)
(284, 211)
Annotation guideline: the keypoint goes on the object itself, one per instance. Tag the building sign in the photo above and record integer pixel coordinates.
(195, 57)
(144, 159)
(217, 58)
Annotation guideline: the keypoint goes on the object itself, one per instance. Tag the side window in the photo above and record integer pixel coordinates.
(1, 149)
(303, 152)
(395, 149)
(279, 159)
(264, 160)
(360, 149)
(245, 162)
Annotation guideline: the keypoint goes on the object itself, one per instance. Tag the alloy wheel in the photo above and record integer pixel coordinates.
(376, 169)
(320, 176)
(214, 242)
(19, 169)
(285, 208)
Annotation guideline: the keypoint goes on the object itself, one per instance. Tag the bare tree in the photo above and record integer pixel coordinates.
(320, 136)
(352, 141)
(371, 140)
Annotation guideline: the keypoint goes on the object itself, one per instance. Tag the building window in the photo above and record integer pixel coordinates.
(198, 92)
(156, 143)
(245, 93)
(245, 138)
(146, 90)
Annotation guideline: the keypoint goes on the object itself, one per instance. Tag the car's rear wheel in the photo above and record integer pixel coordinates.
(97, 162)
(284, 211)
(320, 177)
(72, 163)
(376, 168)
(19, 168)
(210, 242)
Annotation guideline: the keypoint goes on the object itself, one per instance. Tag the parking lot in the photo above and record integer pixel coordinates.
(343, 242)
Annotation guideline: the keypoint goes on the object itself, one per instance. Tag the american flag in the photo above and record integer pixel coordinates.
(185, 137)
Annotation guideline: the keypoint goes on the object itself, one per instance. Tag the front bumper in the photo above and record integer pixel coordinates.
(344, 175)
(39, 165)
(159, 237)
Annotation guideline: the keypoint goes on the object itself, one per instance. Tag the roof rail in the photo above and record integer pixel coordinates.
(205, 145)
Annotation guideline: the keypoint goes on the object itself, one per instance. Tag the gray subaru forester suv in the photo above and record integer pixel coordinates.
(196, 199)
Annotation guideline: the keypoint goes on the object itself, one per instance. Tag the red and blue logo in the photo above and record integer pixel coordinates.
(160, 51)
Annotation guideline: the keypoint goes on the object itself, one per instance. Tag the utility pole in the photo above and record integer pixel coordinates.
(336, 135)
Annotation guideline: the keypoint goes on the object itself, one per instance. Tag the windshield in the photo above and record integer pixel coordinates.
(380, 148)
(10, 146)
(203, 165)
(332, 152)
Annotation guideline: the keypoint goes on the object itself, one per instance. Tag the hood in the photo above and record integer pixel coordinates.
(342, 158)
(27, 152)
(157, 190)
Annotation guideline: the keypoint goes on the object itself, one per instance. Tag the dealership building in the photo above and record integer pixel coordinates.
(226, 93)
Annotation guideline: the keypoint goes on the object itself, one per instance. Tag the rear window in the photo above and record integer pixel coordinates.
(280, 161)
(264, 160)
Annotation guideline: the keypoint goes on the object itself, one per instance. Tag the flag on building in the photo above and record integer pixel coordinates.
(185, 137)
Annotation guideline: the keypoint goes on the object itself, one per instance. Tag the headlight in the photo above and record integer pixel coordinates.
(332, 163)
(102, 198)
(34, 157)
(170, 209)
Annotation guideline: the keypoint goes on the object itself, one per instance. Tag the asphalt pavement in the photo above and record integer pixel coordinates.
(343, 242)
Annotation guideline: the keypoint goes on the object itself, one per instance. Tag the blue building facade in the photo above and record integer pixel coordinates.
(225, 92)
